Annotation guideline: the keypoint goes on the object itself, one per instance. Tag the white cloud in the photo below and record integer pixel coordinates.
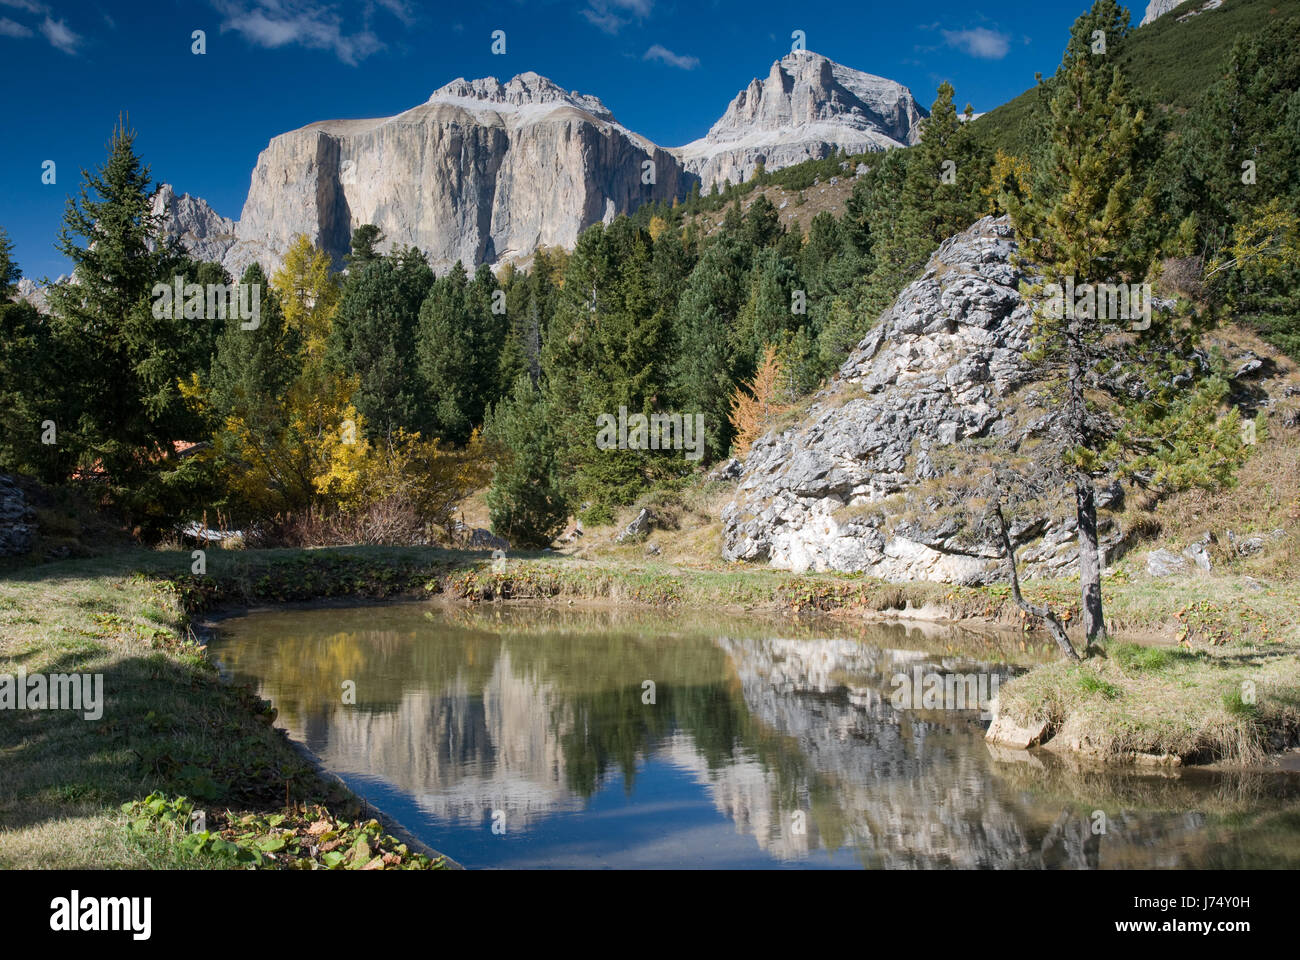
(57, 32)
(10, 29)
(29, 5)
(279, 23)
(613, 15)
(400, 9)
(60, 37)
(664, 55)
(979, 42)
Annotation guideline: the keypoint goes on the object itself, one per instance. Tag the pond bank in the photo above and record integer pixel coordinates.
(170, 727)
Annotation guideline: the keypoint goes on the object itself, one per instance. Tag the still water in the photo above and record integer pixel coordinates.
(518, 736)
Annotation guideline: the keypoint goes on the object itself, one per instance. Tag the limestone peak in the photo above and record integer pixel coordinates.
(521, 91)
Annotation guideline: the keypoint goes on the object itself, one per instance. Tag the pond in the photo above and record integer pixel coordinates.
(539, 736)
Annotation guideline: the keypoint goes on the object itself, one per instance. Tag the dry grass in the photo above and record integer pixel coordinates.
(801, 206)
(1266, 497)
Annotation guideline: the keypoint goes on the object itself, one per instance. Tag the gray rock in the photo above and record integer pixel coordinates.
(808, 108)
(1008, 733)
(1158, 8)
(483, 172)
(1198, 555)
(731, 470)
(1163, 563)
(476, 538)
(1244, 548)
(931, 392)
(17, 520)
(637, 528)
(202, 231)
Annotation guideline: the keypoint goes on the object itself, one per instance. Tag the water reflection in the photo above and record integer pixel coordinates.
(601, 738)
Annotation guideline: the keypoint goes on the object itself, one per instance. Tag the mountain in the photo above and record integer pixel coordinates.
(808, 108)
(201, 230)
(1158, 8)
(485, 172)
(481, 172)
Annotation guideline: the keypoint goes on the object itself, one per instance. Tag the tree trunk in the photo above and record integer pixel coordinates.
(1094, 624)
(1053, 624)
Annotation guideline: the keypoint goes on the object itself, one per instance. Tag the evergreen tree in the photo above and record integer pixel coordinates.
(1240, 154)
(446, 355)
(941, 195)
(605, 350)
(126, 407)
(364, 239)
(374, 339)
(30, 378)
(1129, 404)
(526, 501)
(768, 315)
(702, 374)
(762, 223)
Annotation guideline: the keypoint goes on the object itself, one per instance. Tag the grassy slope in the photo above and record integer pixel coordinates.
(169, 726)
(1171, 62)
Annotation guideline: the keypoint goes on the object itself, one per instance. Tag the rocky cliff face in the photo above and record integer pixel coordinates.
(201, 230)
(807, 108)
(482, 172)
(883, 475)
(1158, 8)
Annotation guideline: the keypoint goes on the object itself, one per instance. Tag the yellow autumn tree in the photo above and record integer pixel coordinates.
(657, 226)
(1010, 179)
(754, 410)
(289, 452)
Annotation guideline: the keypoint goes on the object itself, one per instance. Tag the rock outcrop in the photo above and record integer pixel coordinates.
(1158, 8)
(201, 230)
(883, 476)
(807, 108)
(482, 172)
(33, 293)
(17, 520)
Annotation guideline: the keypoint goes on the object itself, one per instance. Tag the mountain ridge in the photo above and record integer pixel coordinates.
(498, 172)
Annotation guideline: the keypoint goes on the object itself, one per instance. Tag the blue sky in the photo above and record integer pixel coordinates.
(667, 69)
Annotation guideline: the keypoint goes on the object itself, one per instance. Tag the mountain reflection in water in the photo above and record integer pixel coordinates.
(595, 738)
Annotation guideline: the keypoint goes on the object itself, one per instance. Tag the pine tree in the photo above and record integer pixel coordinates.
(526, 501)
(942, 194)
(30, 381)
(702, 370)
(364, 239)
(768, 315)
(126, 408)
(374, 339)
(1130, 404)
(1241, 153)
(762, 223)
(605, 350)
(446, 354)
